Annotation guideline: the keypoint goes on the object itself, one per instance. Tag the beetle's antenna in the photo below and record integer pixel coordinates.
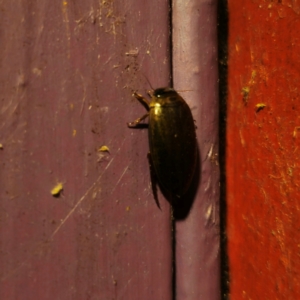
(180, 91)
(148, 81)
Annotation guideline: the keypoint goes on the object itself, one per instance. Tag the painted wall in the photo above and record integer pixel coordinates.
(262, 149)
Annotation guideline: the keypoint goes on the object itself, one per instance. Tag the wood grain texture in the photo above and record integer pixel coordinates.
(262, 159)
(68, 70)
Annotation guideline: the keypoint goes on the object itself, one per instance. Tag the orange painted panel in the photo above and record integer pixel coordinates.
(263, 149)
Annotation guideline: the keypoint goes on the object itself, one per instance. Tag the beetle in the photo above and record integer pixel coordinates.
(172, 139)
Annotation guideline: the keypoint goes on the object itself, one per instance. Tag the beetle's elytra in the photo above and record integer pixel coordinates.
(172, 139)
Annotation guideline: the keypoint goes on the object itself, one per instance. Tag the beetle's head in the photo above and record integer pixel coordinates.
(164, 92)
(165, 97)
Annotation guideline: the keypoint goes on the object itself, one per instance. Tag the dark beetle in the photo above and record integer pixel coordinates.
(172, 139)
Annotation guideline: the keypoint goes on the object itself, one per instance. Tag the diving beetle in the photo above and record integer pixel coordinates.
(172, 139)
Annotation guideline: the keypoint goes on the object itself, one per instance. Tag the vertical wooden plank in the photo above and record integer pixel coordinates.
(263, 150)
(68, 69)
(196, 74)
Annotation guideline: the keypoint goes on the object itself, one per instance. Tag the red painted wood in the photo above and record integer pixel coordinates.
(196, 75)
(262, 163)
(67, 73)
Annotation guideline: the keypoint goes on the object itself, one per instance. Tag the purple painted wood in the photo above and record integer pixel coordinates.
(67, 73)
(196, 74)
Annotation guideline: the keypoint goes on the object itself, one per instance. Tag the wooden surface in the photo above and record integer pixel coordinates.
(196, 74)
(262, 160)
(67, 74)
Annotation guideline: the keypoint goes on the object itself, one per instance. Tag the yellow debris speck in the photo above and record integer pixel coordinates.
(57, 190)
(127, 208)
(296, 129)
(260, 106)
(103, 149)
(1, 146)
(74, 132)
(245, 90)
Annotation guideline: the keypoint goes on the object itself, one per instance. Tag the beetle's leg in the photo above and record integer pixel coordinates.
(137, 121)
(153, 180)
(150, 93)
(142, 100)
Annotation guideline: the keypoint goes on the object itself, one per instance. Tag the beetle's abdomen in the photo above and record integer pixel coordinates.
(173, 146)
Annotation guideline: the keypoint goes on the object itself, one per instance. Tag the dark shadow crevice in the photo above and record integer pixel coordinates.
(223, 92)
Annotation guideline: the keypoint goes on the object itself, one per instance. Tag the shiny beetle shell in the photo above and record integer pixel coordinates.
(172, 139)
